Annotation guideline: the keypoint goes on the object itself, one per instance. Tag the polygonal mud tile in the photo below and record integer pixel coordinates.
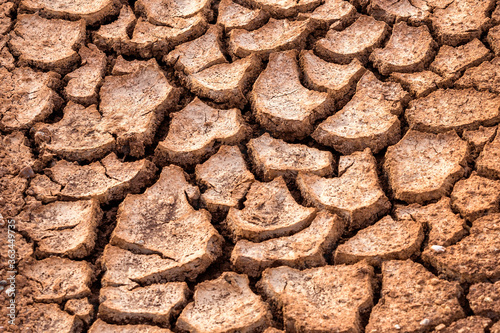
(356, 41)
(225, 178)
(156, 303)
(65, 228)
(368, 120)
(274, 157)
(7, 11)
(424, 166)
(184, 242)
(284, 8)
(27, 97)
(302, 250)
(450, 61)
(273, 330)
(196, 55)
(337, 13)
(477, 139)
(43, 189)
(281, 104)
(410, 49)
(269, 211)
(77, 136)
(84, 82)
(444, 226)
(339, 81)
(486, 77)
(461, 20)
(356, 195)
(495, 328)
(226, 304)
(122, 66)
(15, 154)
(11, 195)
(226, 83)
(93, 12)
(323, 299)
(107, 180)
(458, 109)
(47, 318)
(100, 326)
(493, 39)
(47, 44)
(6, 58)
(488, 163)
(81, 308)
(413, 12)
(274, 36)
(484, 299)
(161, 12)
(476, 258)
(419, 84)
(195, 130)
(235, 16)
(58, 279)
(388, 239)
(133, 105)
(115, 35)
(414, 300)
(473, 324)
(476, 196)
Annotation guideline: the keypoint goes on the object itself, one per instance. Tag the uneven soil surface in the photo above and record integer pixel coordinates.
(225, 166)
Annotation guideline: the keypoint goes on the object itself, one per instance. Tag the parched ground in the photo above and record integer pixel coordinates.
(241, 166)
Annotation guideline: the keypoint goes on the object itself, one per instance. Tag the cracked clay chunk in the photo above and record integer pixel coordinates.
(413, 300)
(485, 77)
(450, 61)
(356, 41)
(472, 324)
(47, 44)
(274, 157)
(274, 36)
(444, 226)
(392, 11)
(459, 109)
(477, 139)
(336, 13)
(161, 225)
(235, 16)
(495, 328)
(77, 136)
(302, 250)
(163, 12)
(339, 81)
(484, 299)
(284, 8)
(493, 39)
(226, 179)
(115, 35)
(461, 21)
(107, 180)
(488, 163)
(388, 239)
(476, 258)
(410, 49)
(356, 195)
(100, 326)
(270, 211)
(368, 120)
(195, 131)
(84, 82)
(15, 154)
(94, 11)
(81, 308)
(133, 106)
(419, 84)
(281, 104)
(156, 304)
(43, 189)
(424, 166)
(196, 55)
(58, 279)
(323, 299)
(47, 318)
(65, 228)
(476, 196)
(226, 83)
(12, 195)
(6, 58)
(226, 304)
(27, 97)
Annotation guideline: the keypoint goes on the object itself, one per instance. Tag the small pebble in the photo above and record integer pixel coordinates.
(27, 172)
(438, 248)
(425, 322)
(397, 327)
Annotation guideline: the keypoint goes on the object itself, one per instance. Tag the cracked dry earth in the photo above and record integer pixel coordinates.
(251, 165)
